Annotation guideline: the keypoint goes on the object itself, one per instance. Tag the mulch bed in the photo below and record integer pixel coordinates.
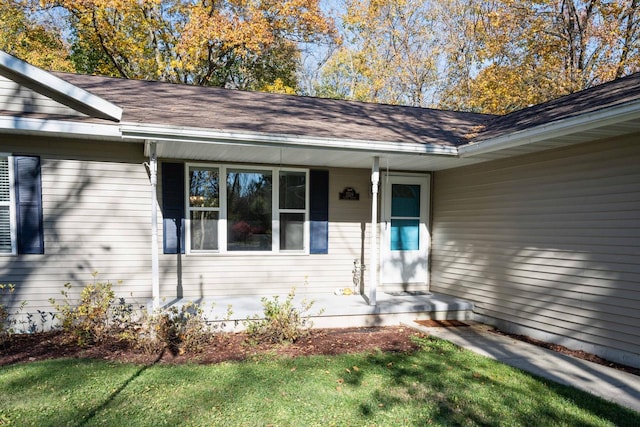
(236, 347)
(224, 347)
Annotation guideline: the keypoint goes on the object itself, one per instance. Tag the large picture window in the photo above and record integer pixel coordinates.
(247, 209)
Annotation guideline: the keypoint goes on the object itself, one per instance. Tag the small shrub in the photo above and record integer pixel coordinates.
(125, 320)
(89, 319)
(282, 321)
(181, 329)
(5, 326)
(99, 314)
(8, 320)
(4, 312)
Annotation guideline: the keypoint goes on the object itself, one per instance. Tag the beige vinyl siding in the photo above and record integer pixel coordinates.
(212, 275)
(548, 242)
(97, 218)
(15, 97)
(96, 209)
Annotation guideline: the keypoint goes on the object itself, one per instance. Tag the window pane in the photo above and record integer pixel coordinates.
(292, 190)
(204, 187)
(204, 230)
(405, 200)
(292, 231)
(405, 234)
(249, 195)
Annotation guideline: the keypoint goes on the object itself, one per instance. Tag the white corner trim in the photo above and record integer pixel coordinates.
(12, 67)
(214, 136)
(30, 126)
(564, 127)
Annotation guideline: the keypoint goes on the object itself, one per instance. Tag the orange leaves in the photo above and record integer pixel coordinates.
(237, 43)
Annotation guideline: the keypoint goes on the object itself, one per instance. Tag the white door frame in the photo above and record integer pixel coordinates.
(397, 275)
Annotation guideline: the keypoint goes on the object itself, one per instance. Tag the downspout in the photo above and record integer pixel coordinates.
(374, 255)
(155, 269)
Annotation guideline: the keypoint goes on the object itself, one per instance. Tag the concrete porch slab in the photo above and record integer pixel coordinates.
(331, 310)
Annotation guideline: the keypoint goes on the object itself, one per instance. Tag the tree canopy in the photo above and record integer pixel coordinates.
(244, 44)
(32, 40)
(491, 56)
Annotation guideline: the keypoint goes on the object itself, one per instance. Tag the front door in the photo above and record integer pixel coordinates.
(405, 232)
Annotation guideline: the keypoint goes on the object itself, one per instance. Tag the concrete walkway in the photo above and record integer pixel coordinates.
(610, 384)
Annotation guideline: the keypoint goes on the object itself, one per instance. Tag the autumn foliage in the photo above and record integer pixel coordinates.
(246, 44)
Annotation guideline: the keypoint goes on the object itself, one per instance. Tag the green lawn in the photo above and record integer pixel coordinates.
(440, 384)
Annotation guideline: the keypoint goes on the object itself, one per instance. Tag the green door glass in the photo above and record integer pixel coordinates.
(405, 217)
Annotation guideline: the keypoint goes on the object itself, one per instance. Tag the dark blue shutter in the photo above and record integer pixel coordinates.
(173, 207)
(319, 211)
(29, 205)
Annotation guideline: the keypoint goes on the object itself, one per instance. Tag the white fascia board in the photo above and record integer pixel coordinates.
(58, 89)
(213, 136)
(30, 126)
(560, 128)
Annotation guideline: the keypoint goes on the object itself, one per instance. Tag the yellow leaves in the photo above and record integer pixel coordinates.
(213, 42)
(37, 43)
(278, 86)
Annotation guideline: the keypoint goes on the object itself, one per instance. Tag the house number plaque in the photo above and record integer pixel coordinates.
(349, 194)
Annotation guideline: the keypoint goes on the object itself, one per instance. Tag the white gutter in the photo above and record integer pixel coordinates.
(557, 129)
(49, 85)
(213, 136)
(30, 126)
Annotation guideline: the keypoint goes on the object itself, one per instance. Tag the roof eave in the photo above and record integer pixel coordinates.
(557, 129)
(49, 85)
(59, 128)
(214, 136)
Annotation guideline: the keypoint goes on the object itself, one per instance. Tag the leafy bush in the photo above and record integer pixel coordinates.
(99, 314)
(5, 327)
(4, 312)
(95, 315)
(8, 320)
(180, 329)
(282, 321)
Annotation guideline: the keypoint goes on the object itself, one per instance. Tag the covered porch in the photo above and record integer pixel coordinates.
(334, 311)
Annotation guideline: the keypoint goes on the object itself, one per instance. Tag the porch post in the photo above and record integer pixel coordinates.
(374, 255)
(155, 275)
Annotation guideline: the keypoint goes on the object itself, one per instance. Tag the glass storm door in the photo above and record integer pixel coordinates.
(405, 234)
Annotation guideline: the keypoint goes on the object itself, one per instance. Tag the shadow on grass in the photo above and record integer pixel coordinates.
(460, 388)
(87, 418)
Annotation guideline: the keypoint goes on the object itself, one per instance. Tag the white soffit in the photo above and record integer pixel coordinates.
(57, 89)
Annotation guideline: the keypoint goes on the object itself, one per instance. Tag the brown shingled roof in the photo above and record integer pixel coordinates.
(616, 92)
(178, 105)
(232, 110)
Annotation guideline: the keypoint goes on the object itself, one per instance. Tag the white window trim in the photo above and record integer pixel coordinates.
(12, 207)
(222, 209)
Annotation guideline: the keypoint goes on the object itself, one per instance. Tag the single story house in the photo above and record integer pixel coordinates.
(185, 192)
